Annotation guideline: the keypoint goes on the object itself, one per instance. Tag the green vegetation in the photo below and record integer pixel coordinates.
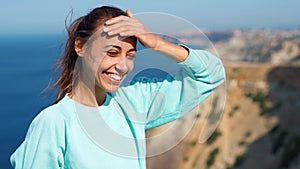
(262, 99)
(194, 143)
(213, 137)
(247, 134)
(211, 158)
(239, 160)
(234, 109)
(265, 56)
(242, 143)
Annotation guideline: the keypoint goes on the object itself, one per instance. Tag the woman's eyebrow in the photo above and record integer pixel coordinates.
(115, 46)
(132, 49)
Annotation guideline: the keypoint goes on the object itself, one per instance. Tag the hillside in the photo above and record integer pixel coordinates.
(258, 45)
(260, 126)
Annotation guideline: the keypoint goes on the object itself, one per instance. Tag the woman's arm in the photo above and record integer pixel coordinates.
(155, 101)
(130, 26)
(165, 100)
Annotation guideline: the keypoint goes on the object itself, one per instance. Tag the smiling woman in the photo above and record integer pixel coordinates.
(107, 60)
(95, 122)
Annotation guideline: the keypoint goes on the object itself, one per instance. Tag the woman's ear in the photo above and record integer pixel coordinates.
(78, 46)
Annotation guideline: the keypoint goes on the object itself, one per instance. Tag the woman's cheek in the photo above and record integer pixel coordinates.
(131, 65)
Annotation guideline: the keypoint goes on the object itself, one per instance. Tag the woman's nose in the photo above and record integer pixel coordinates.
(121, 65)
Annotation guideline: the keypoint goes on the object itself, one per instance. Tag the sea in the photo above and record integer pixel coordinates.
(27, 71)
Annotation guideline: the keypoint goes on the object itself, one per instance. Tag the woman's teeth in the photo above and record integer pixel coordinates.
(115, 77)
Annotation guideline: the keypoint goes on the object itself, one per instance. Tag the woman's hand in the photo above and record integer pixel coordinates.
(131, 26)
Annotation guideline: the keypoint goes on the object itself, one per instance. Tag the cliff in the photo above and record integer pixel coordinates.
(260, 126)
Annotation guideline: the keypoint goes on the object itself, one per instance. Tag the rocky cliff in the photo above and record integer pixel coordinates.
(260, 126)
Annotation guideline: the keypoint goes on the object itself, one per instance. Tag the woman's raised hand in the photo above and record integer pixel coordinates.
(131, 26)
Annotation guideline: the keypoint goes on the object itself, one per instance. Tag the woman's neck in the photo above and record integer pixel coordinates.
(88, 96)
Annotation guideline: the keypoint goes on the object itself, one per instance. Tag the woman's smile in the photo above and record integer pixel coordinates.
(113, 78)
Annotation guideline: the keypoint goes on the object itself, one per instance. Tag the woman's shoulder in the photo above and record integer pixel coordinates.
(49, 115)
(56, 113)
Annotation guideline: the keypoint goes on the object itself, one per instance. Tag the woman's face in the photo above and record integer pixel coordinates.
(110, 59)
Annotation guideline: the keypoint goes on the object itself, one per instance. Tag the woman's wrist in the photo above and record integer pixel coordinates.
(175, 52)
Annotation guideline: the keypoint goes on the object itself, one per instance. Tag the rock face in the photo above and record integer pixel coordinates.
(290, 51)
(271, 46)
(260, 126)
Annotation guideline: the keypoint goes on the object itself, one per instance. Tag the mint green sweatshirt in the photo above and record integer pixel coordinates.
(73, 136)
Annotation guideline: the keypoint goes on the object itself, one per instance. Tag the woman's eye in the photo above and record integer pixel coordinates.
(112, 53)
(131, 55)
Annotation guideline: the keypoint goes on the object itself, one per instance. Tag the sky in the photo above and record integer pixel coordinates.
(41, 16)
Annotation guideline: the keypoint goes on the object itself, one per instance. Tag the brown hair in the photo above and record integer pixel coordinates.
(82, 29)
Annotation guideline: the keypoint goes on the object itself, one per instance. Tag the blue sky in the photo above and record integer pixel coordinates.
(40, 16)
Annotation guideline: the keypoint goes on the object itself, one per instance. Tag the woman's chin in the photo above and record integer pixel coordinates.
(111, 88)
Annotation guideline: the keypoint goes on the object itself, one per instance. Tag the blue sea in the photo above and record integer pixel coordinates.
(27, 69)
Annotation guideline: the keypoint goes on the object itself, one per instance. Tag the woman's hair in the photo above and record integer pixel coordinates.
(80, 29)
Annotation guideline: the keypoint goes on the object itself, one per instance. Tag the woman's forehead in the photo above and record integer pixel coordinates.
(115, 40)
(101, 39)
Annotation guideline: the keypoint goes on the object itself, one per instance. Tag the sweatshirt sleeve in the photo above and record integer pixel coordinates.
(159, 101)
(44, 144)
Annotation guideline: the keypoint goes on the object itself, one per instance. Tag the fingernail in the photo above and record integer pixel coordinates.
(107, 22)
(106, 29)
(110, 33)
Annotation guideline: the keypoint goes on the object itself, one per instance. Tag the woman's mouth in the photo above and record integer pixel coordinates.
(113, 77)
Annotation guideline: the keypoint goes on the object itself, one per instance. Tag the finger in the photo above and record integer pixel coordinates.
(120, 30)
(128, 33)
(129, 13)
(120, 26)
(115, 20)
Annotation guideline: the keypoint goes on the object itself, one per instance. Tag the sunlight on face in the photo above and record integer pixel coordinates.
(108, 60)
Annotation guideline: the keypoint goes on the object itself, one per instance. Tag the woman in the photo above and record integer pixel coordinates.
(95, 122)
